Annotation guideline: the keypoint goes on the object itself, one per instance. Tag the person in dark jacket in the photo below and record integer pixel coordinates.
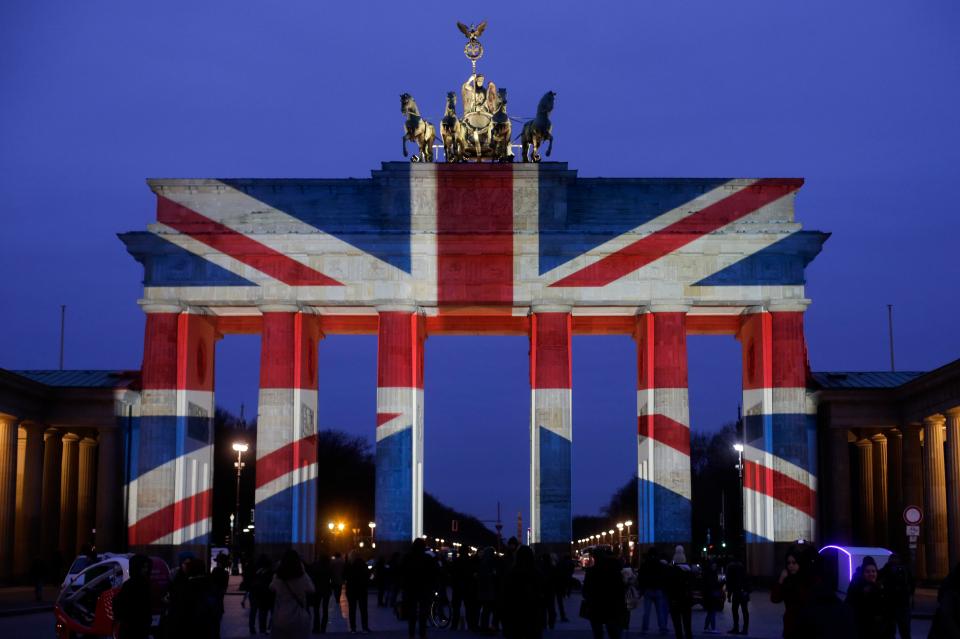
(679, 591)
(651, 577)
(712, 596)
(194, 612)
(131, 606)
(825, 616)
(738, 593)
(356, 579)
(488, 583)
(547, 571)
(793, 590)
(866, 596)
(319, 572)
(946, 620)
(418, 583)
(220, 579)
(604, 595)
(524, 597)
(899, 585)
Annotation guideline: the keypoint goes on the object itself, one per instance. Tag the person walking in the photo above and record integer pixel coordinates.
(712, 597)
(547, 572)
(562, 577)
(899, 586)
(651, 577)
(194, 612)
(319, 572)
(356, 579)
(792, 589)
(679, 591)
(291, 586)
(524, 597)
(738, 593)
(603, 595)
(946, 620)
(866, 596)
(419, 580)
(132, 612)
(220, 579)
(337, 566)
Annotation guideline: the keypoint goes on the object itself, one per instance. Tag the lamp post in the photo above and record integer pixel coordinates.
(620, 537)
(240, 448)
(373, 529)
(739, 448)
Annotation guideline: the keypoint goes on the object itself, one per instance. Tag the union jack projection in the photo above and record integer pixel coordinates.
(422, 248)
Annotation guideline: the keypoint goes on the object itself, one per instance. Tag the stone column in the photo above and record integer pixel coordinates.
(881, 508)
(170, 499)
(286, 494)
(108, 490)
(840, 496)
(663, 428)
(913, 484)
(8, 492)
(953, 484)
(866, 528)
(895, 490)
(27, 542)
(935, 497)
(86, 490)
(52, 462)
(68, 496)
(551, 427)
(399, 456)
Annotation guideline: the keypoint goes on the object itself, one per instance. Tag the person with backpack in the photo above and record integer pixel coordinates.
(291, 586)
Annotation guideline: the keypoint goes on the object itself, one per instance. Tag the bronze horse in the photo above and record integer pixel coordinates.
(538, 129)
(451, 130)
(502, 130)
(416, 129)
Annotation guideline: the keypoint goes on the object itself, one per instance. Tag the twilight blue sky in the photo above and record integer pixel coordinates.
(860, 98)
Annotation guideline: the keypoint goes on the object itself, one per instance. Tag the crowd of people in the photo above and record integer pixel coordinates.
(520, 595)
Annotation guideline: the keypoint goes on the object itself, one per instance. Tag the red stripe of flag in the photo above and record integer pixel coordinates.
(177, 515)
(286, 459)
(681, 233)
(666, 431)
(474, 234)
(239, 246)
(781, 487)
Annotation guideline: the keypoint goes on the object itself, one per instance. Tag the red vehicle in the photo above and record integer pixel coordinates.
(84, 607)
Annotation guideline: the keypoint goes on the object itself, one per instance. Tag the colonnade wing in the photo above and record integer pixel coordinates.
(524, 249)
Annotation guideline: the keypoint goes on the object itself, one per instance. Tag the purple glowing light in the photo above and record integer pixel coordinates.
(849, 559)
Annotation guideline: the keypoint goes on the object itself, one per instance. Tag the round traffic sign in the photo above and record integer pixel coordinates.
(912, 515)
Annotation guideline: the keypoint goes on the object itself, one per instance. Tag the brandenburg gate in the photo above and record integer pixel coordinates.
(421, 249)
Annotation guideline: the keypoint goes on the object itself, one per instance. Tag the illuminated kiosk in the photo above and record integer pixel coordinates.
(470, 249)
(842, 562)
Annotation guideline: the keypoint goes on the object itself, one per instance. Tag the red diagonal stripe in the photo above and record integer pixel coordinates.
(239, 246)
(681, 233)
(285, 459)
(667, 431)
(383, 418)
(781, 487)
(181, 514)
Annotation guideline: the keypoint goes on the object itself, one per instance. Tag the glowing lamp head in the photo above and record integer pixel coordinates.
(330, 525)
(240, 447)
(738, 448)
(628, 523)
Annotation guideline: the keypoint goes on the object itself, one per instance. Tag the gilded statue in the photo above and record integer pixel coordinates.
(539, 129)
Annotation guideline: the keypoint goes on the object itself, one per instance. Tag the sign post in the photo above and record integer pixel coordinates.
(912, 516)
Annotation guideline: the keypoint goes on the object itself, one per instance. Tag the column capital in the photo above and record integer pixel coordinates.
(952, 413)
(278, 307)
(667, 306)
(160, 306)
(397, 308)
(879, 437)
(863, 443)
(550, 308)
(934, 420)
(784, 306)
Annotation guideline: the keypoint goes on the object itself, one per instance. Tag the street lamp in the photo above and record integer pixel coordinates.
(628, 523)
(620, 542)
(739, 448)
(240, 448)
(373, 529)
